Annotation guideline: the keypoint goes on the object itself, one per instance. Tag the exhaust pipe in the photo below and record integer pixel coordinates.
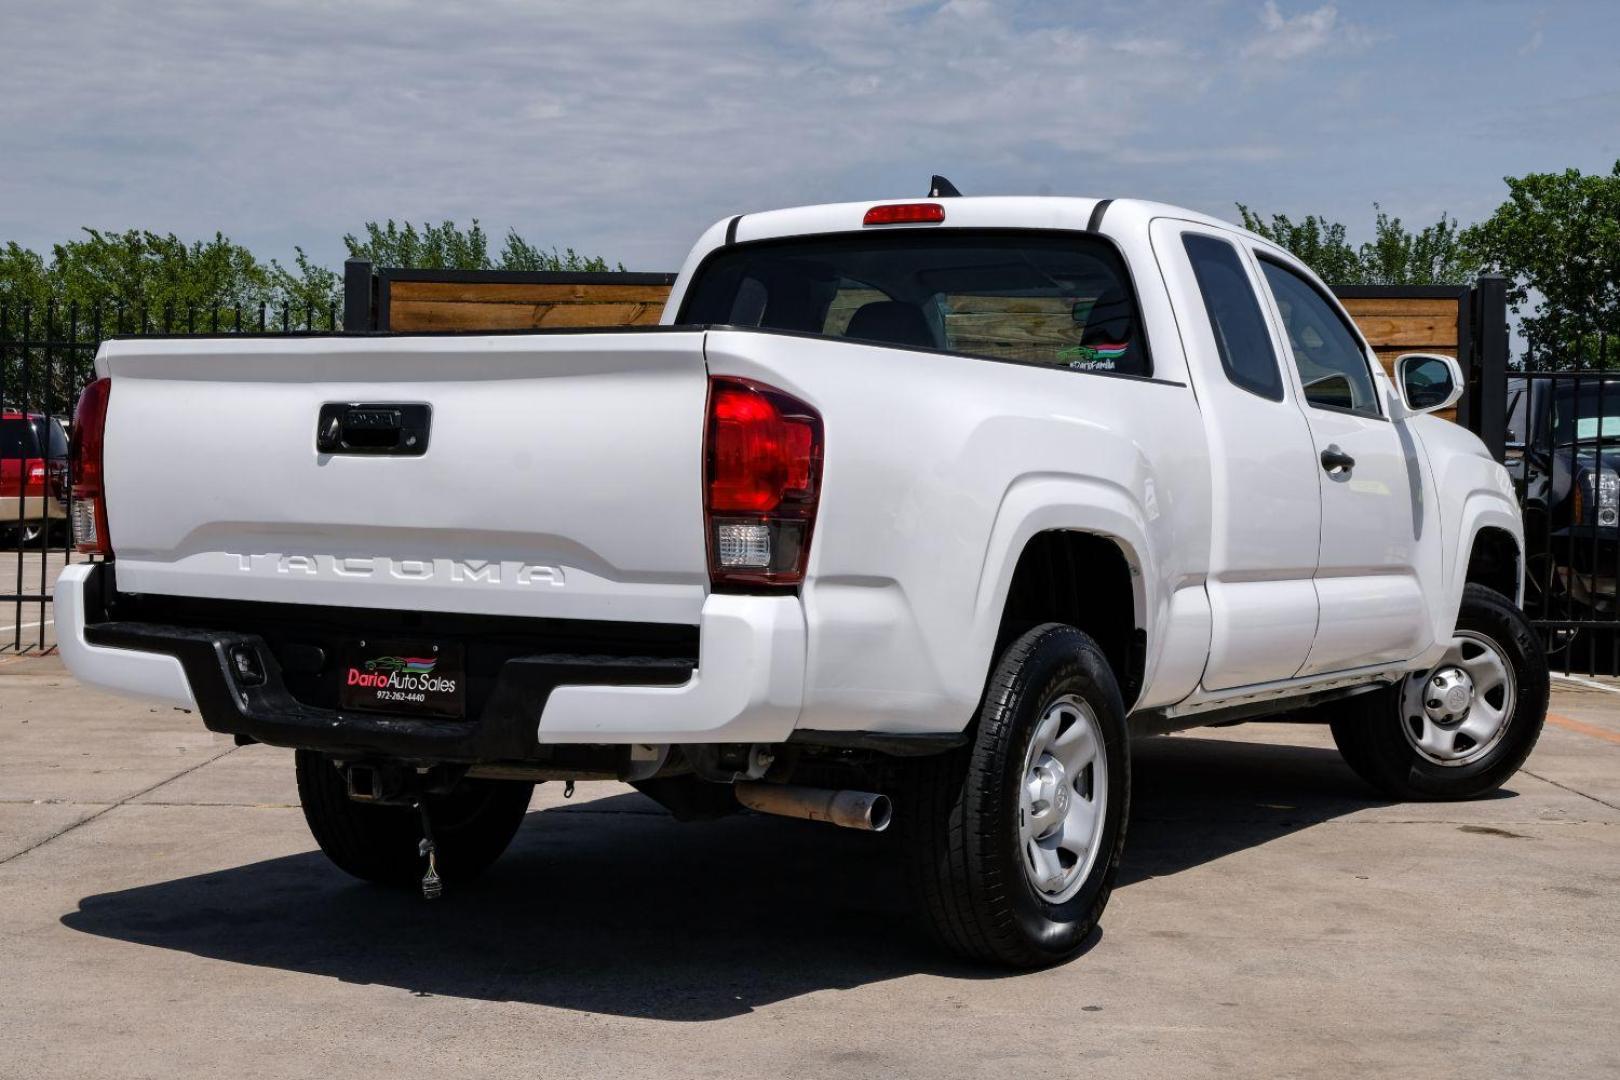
(864, 810)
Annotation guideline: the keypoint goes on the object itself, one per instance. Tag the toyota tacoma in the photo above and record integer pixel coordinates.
(914, 509)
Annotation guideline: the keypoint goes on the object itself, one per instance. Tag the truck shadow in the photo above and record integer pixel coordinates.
(612, 907)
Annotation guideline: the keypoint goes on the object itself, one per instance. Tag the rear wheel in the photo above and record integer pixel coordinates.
(1461, 729)
(472, 825)
(1014, 842)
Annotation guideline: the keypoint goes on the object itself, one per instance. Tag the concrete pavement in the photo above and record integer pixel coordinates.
(163, 914)
(28, 625)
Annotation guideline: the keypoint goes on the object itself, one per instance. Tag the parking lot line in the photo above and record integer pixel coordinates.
(1583, 728)
(1590, 684)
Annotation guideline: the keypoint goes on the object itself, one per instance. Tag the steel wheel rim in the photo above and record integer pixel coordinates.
(1438, 725)
(1062, 799)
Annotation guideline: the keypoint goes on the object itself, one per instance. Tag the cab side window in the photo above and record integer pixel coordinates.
(1332, 364)
(1240, 330)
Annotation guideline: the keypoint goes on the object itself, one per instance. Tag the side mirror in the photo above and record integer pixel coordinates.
(1428, 382)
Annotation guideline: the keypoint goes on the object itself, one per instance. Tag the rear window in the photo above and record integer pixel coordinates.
(1059, 300)
(17, 439)
(57, 439)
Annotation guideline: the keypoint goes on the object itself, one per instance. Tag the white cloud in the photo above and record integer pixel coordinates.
(1538, 34)
(623, 127)
(604, 125)
(1196, 155)
(1283, 38)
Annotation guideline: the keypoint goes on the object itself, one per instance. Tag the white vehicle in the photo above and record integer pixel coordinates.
(921, 508)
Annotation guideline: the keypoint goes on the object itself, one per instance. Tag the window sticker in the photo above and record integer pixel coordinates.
(1100, 357)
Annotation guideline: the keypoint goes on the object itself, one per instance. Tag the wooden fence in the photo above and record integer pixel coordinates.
(430, 300)
(1394, 319)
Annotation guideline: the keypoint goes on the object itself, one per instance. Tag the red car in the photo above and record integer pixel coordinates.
(33, 474)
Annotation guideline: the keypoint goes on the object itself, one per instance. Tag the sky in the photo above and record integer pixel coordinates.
(624, 128)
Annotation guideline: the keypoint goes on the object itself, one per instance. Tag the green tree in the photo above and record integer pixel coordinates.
(24, 278)
(172, 282)
(432, 247)
(181, 284)
(519, 254)
(1557, 240)
(1395, 256)
(1318, 243)
(1434, 255)
(160, 274)
(307, 287)
(444, 246)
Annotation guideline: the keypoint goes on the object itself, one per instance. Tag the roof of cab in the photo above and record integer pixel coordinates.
(977, 211)
(1121, 217)
(972, 211)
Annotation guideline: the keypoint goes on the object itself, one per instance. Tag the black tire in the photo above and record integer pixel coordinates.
(1368, 727)
(961, 815)
(472, 825)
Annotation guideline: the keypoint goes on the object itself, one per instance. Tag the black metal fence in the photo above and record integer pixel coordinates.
(47, 355)
(1561, 438)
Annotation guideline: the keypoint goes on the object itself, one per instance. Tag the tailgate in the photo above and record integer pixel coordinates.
(562, 476)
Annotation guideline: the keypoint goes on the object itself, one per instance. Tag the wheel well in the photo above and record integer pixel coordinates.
(1085, 581)
(1494, 562)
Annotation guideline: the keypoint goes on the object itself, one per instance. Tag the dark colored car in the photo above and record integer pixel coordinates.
(33, 475)
(1564, 454)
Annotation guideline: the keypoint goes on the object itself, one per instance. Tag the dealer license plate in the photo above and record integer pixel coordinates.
(408, 678)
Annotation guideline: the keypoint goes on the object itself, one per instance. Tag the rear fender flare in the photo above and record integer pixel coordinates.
(1039, 503)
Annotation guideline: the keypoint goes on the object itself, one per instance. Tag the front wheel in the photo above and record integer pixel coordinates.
(1014, 842)
(1461, 729)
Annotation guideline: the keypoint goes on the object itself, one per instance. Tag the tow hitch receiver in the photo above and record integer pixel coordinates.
(432, 885)
(390, 784)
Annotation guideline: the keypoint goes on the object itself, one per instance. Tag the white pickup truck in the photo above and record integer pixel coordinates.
(919, 508)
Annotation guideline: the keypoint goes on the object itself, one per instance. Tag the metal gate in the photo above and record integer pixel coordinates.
(46, 357)
(1561, 439)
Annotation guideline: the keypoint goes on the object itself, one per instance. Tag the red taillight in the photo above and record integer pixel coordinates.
(762, 475)
(911, 213)
(85, 470)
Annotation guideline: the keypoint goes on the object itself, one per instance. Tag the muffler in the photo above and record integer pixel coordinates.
(864, 810)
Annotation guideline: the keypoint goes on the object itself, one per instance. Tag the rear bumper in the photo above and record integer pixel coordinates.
(746, 685)
(29, 510)
(154, 676)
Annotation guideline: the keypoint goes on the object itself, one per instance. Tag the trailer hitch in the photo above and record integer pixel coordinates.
(432, 884)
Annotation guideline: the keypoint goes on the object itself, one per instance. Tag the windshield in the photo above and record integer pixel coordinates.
(1585, 413)
(1054, 299)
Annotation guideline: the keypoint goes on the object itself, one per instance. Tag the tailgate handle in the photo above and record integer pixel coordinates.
(353, 427)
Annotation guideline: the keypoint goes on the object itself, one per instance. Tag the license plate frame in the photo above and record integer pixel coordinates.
(404, 677)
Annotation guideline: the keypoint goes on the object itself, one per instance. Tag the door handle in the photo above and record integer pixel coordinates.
(1336, 461)
(399, 429)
